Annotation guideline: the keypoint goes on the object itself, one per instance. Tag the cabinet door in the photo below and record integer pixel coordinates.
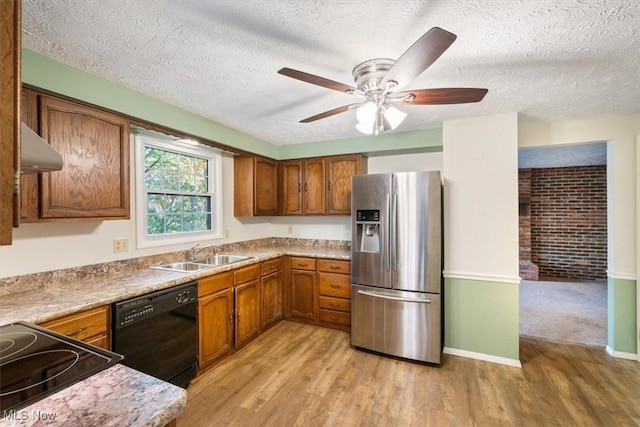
(314, 182)
(266, 187)
(247, 312)
(292, 187)
(9, 116)
(340, 169)
(215, 323)
(271, 288)
(94, 181)
(303, 286)
(29, 183)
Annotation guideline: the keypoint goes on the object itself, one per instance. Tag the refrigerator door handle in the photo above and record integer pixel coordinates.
(383, 296)
(387, 247)
(393, 240)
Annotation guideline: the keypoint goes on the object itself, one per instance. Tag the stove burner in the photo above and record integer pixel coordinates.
(54, 362)
(23, 340)
(36, 362)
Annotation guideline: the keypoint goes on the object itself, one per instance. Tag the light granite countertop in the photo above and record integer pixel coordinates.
(118, 396)
(62, 297)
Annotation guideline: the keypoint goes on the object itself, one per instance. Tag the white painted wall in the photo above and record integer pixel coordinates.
(480, 168)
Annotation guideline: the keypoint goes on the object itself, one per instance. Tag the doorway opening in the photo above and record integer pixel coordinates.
(563, 243)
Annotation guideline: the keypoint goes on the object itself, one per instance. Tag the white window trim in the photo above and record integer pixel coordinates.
(215, 183)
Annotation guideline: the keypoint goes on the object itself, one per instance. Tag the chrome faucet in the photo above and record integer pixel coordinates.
(192, 252)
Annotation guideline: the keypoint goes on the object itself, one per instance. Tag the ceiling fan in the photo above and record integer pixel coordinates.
(379, 80)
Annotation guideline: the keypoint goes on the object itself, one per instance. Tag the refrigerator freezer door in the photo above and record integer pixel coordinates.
(416, 236)
(370, 204)
(403, 324)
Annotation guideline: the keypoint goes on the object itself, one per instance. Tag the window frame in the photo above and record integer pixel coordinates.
(212, 155)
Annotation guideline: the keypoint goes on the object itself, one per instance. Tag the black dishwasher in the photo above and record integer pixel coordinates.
(157, 333)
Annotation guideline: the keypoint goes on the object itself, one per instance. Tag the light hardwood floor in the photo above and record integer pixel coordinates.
(302, 375)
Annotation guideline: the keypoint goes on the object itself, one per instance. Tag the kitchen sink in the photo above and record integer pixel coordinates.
(217, 260)
(183, 266)
(201, 264)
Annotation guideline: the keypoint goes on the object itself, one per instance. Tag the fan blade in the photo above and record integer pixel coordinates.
(316, 80)
(419, 56)
(449, 95)
(329, 113)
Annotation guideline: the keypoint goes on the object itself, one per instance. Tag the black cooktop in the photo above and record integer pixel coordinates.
(36, 362)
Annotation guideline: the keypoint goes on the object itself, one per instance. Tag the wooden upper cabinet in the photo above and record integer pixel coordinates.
(303, 187)
(9, 116)
(29, 183)
(255, 185)
(340, 169)
(291, 185)
(314, 196)
(94, 181)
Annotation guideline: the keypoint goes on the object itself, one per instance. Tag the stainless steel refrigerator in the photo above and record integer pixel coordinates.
(396, 264)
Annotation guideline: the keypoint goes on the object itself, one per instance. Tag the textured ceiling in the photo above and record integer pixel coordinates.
(551, 60)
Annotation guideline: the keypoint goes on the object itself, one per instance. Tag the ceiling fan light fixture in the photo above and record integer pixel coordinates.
(366, 113)
(394, 116)
(366, 128)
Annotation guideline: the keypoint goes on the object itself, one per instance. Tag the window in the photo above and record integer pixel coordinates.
(179, 191)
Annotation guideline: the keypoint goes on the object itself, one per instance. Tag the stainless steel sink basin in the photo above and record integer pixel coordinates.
(217, 260)
(201, 264)
(183, 266)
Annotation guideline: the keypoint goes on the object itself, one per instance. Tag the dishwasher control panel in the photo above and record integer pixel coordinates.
(140, 308)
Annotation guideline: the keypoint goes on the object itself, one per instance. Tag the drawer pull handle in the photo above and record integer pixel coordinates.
(70, 334)
(334, 304)
(334, 286)
(334, 318)
(334, 267)
(303, 264)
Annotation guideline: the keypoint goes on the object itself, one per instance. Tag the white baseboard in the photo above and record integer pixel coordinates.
(621, 354)
(481, 356)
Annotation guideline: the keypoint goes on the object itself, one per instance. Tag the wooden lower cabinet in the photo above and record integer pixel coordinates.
(334, 289)
(303, 288)
(90, 326)
(215, 318)
(271, 289)
(320, 292)
(247, 304)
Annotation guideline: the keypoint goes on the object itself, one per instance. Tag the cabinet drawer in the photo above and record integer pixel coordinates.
(213, 284)
(82, 325)
(335, 285)
(246, 274)
(330, 316)
(303, 263)
(334, 266)
(271, 266)
(338, 304)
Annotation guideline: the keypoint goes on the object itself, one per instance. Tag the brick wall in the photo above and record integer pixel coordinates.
(569, 222)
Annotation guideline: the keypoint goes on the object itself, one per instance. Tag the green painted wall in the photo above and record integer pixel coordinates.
(621, 315)
(45, 73)
(385, 144)
(482, 317)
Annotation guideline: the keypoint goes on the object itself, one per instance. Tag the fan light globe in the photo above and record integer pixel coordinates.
(367, 129)
(394, 116)
(366, 114)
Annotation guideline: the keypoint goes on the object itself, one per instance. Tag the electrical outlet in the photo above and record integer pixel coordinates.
(226, 233)
(290, 229)
(120, 245)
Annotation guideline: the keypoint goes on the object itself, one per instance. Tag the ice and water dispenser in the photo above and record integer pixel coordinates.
(368, 230)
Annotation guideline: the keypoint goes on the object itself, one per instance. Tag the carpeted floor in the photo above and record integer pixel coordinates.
(574, 312)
